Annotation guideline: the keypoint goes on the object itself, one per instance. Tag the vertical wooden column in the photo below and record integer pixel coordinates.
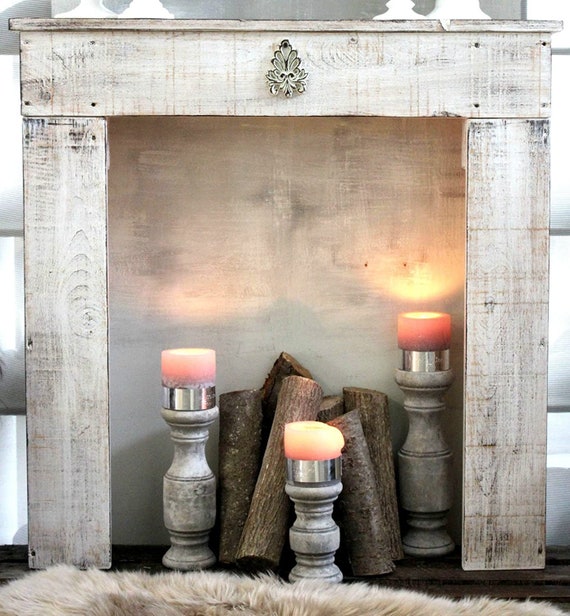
(65, 224)
(506, 344)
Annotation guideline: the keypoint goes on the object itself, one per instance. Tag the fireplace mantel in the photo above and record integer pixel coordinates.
(95, 68)
(494, 75)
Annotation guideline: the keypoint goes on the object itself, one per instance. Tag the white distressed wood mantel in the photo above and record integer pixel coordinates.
(494, 74)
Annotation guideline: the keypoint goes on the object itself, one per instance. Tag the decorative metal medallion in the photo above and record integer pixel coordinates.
(287, 76)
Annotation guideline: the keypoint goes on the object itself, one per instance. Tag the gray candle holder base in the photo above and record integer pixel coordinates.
(189, 491)
(314, 536)
(424, 464)
(427, 536)
(189, 551)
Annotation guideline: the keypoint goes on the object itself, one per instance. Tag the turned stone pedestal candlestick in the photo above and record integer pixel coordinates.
(189, 485)
(424, 461)
(313, 486)
(424, 464)
(189, 490)
(313, 454)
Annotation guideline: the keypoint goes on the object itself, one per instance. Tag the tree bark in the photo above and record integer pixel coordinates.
(375, 420)
(358, 506)
(285, 365)
(266, 527)
(239, 461)
(331, 407)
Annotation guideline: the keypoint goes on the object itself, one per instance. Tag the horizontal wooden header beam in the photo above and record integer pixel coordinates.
(102, 72)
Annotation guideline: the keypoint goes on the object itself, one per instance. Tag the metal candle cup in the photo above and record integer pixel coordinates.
(188, 399)
(425, 361)
(314, 471)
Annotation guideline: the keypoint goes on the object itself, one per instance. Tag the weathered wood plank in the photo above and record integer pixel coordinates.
(222, 72)
(147, 67)
(66, 332)
(505, 345)
(345, 25)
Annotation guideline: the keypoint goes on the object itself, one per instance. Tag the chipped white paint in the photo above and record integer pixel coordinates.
(66, 333)
(505, 345)
(355, 68)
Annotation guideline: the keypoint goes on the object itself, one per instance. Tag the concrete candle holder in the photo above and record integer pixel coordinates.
(424, 461)
(313, 486)
(189, 486)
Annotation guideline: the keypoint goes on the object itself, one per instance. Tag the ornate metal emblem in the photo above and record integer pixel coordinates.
(287, 76)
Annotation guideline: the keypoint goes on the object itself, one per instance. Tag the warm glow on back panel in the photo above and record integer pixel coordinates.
(257, 235)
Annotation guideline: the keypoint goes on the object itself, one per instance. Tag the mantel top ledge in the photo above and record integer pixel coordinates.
(166, 73)
(213, 25)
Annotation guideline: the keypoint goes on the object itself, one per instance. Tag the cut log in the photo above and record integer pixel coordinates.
(359, 513)
(267, 523)
(285, 365)
(331, 407)
(239, 461)
(375, 420)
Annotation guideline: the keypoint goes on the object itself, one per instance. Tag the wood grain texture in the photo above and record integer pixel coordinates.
(66, 322)
(285, 365)
(364, 533)
(331, 408)
(471, 70)
(239, 460)
(265, 529)
(505, 345)
(375, 419)
(363, 70)
(345, 25)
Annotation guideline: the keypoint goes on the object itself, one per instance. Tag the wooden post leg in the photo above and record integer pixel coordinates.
(506, 328)
(67, 385)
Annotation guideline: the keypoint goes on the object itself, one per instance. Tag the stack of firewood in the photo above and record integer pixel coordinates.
(254, 512)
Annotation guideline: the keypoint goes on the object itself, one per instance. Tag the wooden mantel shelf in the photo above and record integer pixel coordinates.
(240, 25)
(209, 67)
(494, 76)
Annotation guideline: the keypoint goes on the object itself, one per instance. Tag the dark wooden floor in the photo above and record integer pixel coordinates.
(439, 577)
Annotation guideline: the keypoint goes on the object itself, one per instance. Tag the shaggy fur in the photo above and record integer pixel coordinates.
(65, 591)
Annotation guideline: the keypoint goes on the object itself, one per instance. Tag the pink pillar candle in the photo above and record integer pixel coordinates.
(312, 440)
(424, 331)
(188, 368)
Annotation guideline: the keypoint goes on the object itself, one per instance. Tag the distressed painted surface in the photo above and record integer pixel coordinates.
(505, 345)
(406, 69)
(355, 68)
(66, 332)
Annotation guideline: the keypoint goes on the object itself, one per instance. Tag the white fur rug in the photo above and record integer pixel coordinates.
(63, 591)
